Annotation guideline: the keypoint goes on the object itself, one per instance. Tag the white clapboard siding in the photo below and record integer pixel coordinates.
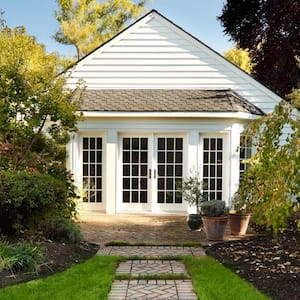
(155, 53)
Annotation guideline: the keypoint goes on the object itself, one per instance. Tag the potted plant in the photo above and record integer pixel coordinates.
(239, 217)
(192, 192)
(214, 217)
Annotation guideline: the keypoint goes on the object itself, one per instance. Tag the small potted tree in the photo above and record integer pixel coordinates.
(214, 217)
(192, 192)
(239, 216)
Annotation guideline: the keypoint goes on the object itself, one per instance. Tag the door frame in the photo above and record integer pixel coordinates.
(133, 207)
(91, 206)
(152, 205)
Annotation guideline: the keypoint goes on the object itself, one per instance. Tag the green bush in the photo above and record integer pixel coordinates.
(21, 256)
(213, 208)
(27, 199)
(61, 229)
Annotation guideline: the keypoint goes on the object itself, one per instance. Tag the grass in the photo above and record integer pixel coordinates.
(92, 280)
(211, 280)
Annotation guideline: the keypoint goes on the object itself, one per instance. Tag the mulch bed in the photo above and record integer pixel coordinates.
(57, 257)
(272, 266)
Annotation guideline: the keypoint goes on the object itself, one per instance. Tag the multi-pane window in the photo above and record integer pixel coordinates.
(213, 168)
(170, 166)
(92, 168)
(245, 153)
(135, 169)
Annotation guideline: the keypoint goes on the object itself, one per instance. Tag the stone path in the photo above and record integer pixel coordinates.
(151, 251)
(149, 288)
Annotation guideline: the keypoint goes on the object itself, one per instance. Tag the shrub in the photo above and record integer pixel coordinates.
(21, 256)
(61, 229)
(213, 208)
(26, 199)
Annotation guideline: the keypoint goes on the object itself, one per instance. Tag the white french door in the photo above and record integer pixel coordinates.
(151, 171)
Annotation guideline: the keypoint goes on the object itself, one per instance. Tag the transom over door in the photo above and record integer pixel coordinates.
(152, 170)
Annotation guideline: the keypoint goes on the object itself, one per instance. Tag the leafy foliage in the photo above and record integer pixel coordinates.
(27, 199)
(192, 190)
(270, 30)
(240, 57)
(272, 181)
(36, 111)
(87, 23)
(213, 208)
(62, 229)
(21, 256)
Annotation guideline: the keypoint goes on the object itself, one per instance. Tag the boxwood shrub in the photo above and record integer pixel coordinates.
(27, 199)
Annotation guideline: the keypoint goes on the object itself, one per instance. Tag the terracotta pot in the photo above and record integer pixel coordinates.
(214, 227)
(194, 221)
(238, 223)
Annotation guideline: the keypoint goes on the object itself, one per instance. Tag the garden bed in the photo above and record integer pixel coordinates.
(272, 266)
(57, 257)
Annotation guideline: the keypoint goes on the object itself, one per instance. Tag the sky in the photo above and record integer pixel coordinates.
(198, 17)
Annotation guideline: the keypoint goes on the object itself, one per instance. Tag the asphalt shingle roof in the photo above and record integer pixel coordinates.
(163, 100)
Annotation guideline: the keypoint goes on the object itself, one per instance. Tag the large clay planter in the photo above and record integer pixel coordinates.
(214, 227)
(194, 221)
(238, 223)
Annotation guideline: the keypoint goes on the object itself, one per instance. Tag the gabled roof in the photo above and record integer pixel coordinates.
(156, 54)
(162, 100)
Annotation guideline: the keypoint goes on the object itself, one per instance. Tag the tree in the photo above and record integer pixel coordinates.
(271, 30)
(271, 184)
(36, 111)
(240, 57)
(87, 23)
(295, 95)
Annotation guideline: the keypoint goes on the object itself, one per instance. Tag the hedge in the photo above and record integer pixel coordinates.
(27, 199)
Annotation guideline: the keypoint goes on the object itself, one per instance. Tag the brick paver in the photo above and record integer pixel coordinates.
(151, 267)
(152, 288)
(151, 251)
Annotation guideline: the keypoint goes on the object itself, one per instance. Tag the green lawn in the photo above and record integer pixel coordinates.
(93, 278)
(90, 280)
(211, 281)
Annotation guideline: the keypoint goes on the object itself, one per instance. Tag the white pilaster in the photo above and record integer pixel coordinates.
(192, 157)
(234, 161)
(111, 171)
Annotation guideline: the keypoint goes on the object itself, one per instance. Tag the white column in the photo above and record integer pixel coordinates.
(72, 159)
(192, 158)
(234, 161)
(110, 181)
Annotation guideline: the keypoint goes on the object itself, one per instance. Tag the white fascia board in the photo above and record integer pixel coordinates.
(215, 115)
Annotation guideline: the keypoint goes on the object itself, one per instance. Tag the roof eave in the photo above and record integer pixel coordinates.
(125, 114)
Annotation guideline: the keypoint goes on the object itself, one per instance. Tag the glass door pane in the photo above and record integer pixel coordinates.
(135, 169)
(92, 169)
(213, 168)
(169, 169)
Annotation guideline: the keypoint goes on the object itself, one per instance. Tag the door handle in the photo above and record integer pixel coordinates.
(154, 175)
(149, 173)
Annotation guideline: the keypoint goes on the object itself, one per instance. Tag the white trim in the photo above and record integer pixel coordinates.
(223, 115)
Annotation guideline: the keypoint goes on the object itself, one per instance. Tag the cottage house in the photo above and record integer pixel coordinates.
(159, 103)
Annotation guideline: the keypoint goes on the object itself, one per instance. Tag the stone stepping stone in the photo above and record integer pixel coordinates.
(151, 267)
(151, 251)
(152, 289)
